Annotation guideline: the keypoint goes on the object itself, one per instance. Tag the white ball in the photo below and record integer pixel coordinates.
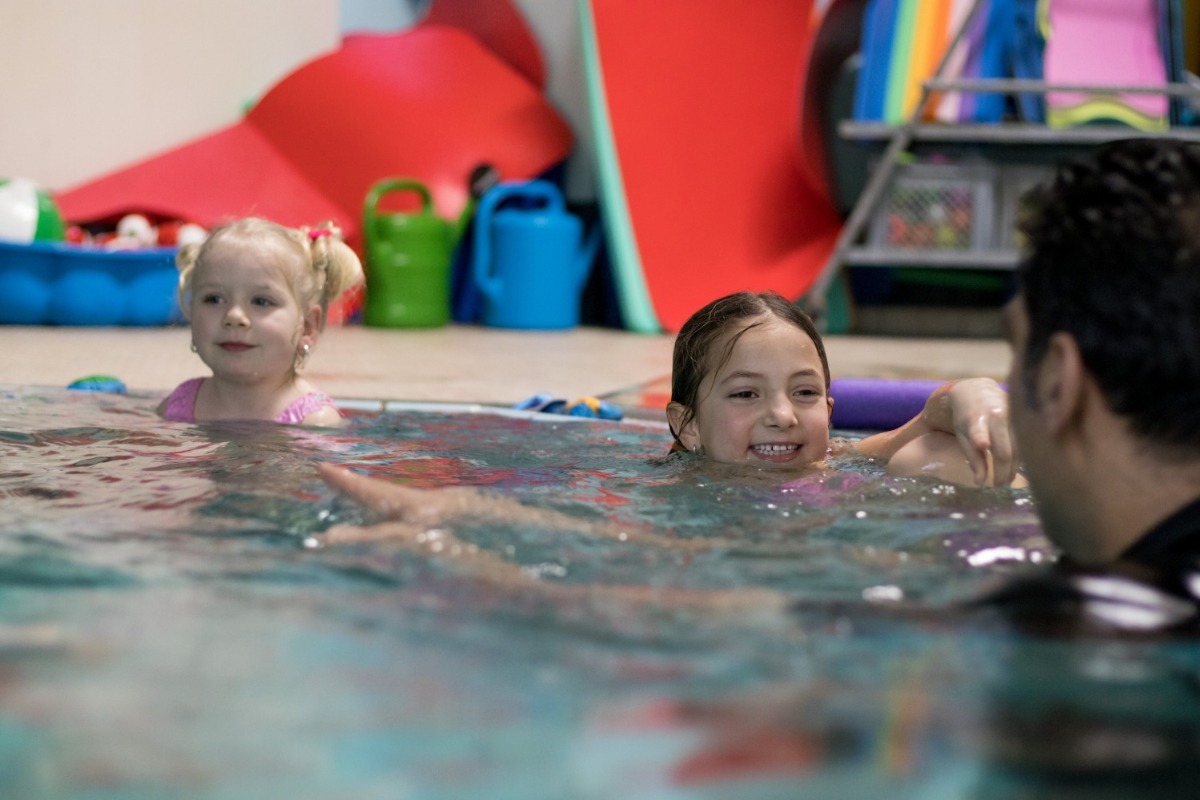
(136, 229)
(190, 233)
(27, 213)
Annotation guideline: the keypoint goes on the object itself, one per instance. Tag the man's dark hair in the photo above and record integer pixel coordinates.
(1112, 257)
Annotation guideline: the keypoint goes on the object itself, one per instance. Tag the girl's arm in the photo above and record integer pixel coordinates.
(962, 435)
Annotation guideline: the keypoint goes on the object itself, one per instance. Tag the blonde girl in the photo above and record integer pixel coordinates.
(257, 294)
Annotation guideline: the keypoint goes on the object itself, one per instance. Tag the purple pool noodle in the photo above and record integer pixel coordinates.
(877, 403)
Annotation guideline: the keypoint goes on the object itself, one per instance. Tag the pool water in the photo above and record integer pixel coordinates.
(167, 629)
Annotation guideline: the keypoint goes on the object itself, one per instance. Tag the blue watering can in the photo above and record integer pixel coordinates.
(530, 260)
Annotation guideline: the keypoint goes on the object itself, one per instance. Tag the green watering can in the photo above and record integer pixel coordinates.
(409, 255)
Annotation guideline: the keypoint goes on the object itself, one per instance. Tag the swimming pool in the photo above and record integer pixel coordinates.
(166, 632)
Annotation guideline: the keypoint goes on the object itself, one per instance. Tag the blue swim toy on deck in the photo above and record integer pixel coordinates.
(593, 407)
(98, 383)
(588, 407)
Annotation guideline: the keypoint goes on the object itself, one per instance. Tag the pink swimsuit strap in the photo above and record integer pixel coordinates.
(300, 408)
(181, 404)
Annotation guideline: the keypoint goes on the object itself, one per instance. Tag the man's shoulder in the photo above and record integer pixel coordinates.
(1123, 598)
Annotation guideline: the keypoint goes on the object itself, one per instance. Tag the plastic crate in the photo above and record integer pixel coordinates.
(49, 283)
(939, 206)
(1014, 181)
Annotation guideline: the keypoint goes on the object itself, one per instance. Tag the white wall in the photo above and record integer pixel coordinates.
(555, 23)
(89, 86)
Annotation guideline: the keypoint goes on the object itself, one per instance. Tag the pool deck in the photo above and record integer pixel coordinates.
(457, 363)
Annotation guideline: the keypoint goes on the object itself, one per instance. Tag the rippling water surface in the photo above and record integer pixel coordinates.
(166, 632)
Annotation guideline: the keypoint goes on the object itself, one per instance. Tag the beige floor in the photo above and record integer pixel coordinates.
(456, 363)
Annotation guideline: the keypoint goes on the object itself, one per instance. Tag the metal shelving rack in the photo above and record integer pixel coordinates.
(902, 139)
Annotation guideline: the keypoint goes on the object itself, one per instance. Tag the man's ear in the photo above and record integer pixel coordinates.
(686, 433)
(1061, 382)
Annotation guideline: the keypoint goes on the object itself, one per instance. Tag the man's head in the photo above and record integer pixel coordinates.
(1113, 259)
(1105, 381)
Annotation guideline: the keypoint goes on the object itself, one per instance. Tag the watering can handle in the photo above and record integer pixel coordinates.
(488, 283)
(395, 185)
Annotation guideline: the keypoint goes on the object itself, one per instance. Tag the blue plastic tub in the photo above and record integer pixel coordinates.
(50, 283)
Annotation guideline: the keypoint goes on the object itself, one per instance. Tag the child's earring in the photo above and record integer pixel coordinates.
(194, 350)
(302, 356)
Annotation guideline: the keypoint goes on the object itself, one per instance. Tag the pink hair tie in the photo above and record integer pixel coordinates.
(317, 233)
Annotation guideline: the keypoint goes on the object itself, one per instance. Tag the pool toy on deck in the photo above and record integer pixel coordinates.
(54, 283)
(99, 383)
(860, 404)
(136, 231)
(588, 407)
(530, 257)
(28, 214)
(409, 255)
(59, 275)
(692, 108)
(877, 404)
(429, 103)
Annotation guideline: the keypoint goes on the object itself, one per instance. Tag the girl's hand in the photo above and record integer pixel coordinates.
(975, 410)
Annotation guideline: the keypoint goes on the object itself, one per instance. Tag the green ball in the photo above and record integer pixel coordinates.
(28, 214)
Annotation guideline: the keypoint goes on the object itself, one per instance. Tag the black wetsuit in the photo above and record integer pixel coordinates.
(1107, 721)
(1154, 588)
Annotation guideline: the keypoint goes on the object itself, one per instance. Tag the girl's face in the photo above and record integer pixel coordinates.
(766, 405)
(246, 324)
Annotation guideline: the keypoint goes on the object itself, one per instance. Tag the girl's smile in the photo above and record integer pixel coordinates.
(780, 453)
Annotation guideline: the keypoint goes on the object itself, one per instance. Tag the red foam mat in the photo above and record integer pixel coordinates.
(430, 104)
(702, 98)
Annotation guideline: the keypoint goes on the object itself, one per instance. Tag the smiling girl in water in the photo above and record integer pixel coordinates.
(256, 294)
(750, 385)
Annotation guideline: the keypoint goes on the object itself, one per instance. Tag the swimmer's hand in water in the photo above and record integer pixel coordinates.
(393, 501)
(412, 511)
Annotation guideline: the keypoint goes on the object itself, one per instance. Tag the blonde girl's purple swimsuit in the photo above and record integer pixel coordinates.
(181, 404)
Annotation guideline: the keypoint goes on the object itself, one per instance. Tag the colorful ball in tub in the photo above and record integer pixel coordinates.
(28, 214)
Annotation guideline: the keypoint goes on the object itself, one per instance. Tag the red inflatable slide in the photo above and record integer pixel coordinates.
(430, 103)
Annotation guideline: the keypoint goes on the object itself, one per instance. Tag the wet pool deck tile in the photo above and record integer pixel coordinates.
(457, 363)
